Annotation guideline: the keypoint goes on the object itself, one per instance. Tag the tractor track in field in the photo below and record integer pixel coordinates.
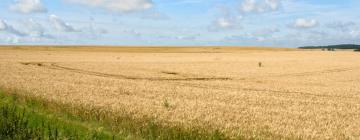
(51, 65)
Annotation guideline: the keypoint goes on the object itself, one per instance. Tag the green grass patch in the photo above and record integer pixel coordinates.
(20, 119)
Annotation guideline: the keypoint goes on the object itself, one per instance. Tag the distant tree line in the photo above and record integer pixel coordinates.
(332, 47)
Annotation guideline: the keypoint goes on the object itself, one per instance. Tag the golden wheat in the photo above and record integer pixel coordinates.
(295, 94)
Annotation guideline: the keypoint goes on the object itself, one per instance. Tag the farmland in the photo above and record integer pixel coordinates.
(294, 94)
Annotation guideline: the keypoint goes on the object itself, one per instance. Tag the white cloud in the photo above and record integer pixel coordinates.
(224, 23)
(248, 5)
(60, 25)
(260, 6)
(3, 25)
(31, 31)
(28, 6)
(10, 29)
(36, 30)
(117, 5)
(355, 33)
(273, 4)
(305, 23)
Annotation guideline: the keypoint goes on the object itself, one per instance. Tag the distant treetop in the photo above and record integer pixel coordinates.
(341, 46)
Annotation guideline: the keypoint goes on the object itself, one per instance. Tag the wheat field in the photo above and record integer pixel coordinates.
(295, 94)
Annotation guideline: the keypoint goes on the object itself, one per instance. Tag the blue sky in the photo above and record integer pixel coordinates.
(280, 23)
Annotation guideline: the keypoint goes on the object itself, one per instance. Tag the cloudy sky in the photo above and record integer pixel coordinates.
(282, 23)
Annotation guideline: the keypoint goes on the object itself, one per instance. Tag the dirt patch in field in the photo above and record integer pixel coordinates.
(170, 73)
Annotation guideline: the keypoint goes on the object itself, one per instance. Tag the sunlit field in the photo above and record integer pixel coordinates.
(234, 93)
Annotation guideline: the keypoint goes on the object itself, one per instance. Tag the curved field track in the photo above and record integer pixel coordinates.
(294, 94)
(118, 76)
